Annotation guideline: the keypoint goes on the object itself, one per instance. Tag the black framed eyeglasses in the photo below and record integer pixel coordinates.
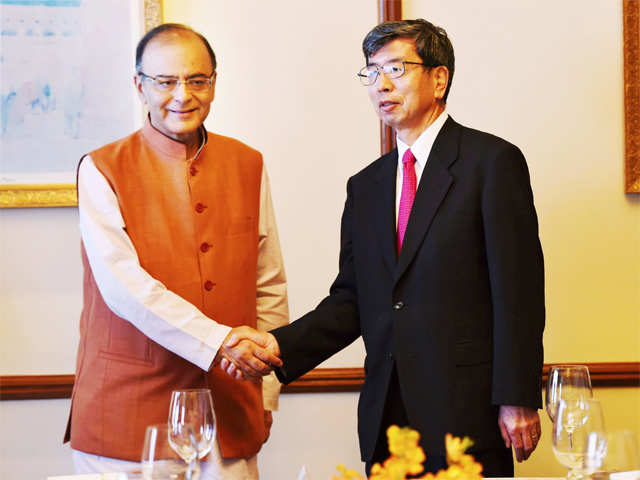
(165, 83)
(394, 69)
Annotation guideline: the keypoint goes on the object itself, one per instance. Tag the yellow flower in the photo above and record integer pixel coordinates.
(404, 448)
(407, 457)
(347, 474)
(461, 465)
(456, 447)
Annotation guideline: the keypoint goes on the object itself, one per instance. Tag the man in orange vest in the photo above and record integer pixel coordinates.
(180, 250)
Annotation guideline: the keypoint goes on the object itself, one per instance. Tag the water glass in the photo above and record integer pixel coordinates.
(569, 383)
(608, 453)
(161, 462)
(574, 422)
(194, 407)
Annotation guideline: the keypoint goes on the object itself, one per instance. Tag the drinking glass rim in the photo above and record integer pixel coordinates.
(192, 390)
(567, 365)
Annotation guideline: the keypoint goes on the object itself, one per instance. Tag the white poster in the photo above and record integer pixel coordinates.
(66, 84)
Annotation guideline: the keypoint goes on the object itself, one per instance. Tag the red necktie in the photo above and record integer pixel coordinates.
(409, 184)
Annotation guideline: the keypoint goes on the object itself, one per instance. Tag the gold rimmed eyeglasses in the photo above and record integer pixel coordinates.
(165, 83)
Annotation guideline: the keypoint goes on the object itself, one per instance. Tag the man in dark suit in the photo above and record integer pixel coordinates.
(441, 271)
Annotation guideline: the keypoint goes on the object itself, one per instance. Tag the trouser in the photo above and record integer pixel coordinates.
(496, 462)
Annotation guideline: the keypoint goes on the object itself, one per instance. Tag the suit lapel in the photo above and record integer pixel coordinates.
(384, 208)
(434, 185)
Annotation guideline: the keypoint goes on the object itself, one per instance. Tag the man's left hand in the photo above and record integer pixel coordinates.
(520, 427)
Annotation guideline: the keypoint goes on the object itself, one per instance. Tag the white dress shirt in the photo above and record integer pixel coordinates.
(421, 149)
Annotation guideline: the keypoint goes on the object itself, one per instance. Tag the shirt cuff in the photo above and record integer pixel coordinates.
(214, 342)
(270, 391)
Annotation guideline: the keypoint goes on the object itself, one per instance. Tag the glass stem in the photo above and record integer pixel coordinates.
(191, 468)
(575, 474)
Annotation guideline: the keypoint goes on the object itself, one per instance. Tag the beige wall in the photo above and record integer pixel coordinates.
(546, 75)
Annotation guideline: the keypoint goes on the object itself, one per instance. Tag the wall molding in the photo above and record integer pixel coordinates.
(29, 387)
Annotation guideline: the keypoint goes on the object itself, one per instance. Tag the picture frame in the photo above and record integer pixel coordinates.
(631, 35)
(46, 194)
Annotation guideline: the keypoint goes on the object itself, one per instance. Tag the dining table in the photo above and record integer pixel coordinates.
(123, 476)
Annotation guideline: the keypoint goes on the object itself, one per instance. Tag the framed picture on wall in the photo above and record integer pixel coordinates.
(66, 89)
(631, 22)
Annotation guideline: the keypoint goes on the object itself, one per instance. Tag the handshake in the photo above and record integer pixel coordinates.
(249, 354)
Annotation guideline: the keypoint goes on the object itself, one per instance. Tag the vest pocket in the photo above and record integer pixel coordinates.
(125, 343)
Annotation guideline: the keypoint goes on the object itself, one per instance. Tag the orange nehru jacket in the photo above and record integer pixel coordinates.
(195, 228)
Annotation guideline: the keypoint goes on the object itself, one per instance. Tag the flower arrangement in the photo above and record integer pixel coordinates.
(407, 456)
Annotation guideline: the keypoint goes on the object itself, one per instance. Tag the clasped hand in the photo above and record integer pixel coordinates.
(247, 353)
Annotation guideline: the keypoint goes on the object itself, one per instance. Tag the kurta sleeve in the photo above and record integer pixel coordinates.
(271, 287)
(128, 290)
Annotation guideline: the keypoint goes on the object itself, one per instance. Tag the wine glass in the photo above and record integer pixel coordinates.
(193, 407)
(570, 383)
(573, 423)
(609, 452)
(160, 461)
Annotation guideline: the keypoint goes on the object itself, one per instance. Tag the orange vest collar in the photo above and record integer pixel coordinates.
(168, 147)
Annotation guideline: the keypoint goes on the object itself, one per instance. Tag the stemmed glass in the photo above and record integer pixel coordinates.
(192, 407)
(162, 461)
(609, 452)
(574, 421)
(568, 383)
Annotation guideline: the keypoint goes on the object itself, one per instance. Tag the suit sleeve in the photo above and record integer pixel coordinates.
(333, 324)
(516, 274)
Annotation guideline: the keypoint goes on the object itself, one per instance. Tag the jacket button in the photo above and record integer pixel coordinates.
(200, 207)
(208, 285)
(398, 306)
(204, 248)
(193, 170)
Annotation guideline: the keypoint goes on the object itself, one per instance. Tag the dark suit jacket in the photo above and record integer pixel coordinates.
(461, 311)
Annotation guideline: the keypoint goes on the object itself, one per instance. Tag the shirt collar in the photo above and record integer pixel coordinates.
(421, 148)
(168, 146)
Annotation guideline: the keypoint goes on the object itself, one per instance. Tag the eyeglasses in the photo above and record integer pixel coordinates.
(394, 69)
(197, 83)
